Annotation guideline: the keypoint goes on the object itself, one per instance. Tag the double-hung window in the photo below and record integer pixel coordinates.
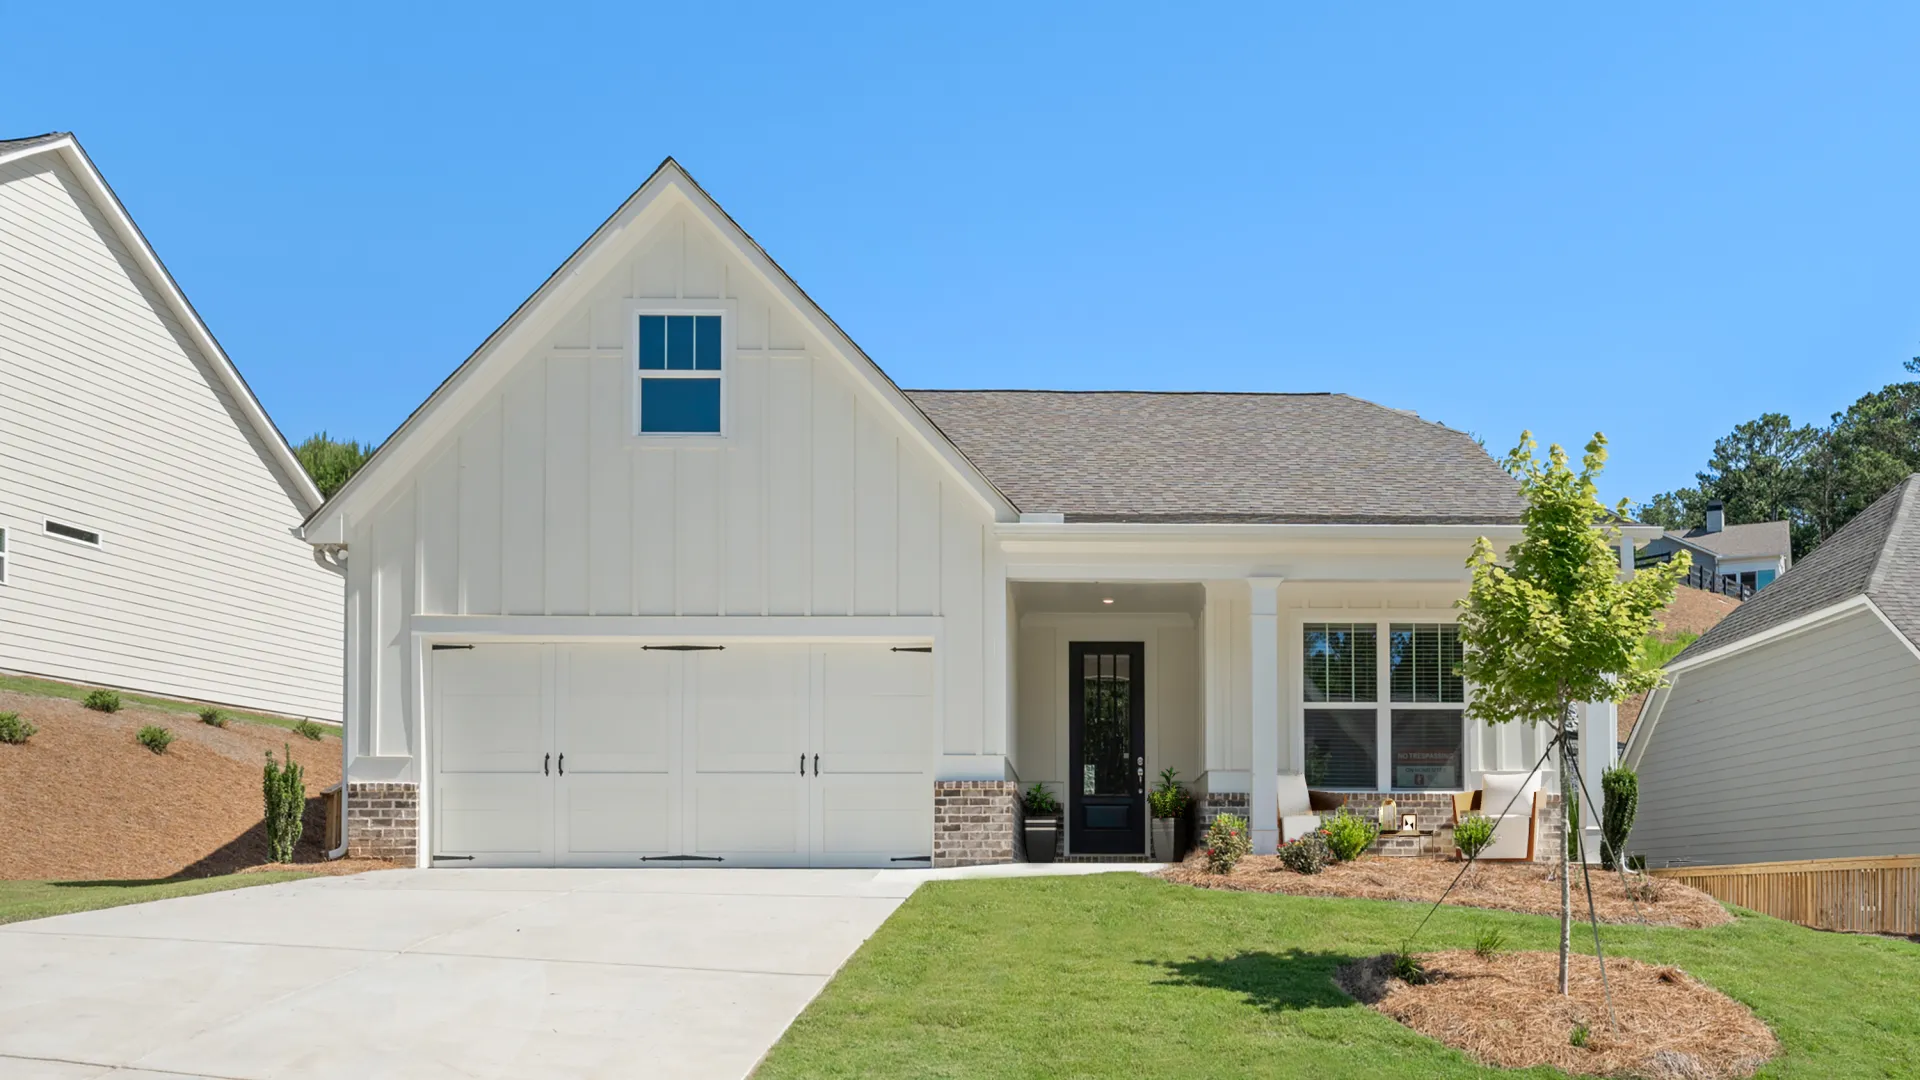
(1411, 738)
(680, 378)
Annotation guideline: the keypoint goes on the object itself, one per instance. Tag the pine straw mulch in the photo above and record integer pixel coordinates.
(82, 800)
(1524, 887)
(1506, 1012)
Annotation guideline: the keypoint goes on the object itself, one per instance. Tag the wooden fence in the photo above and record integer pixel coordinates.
(1872, 895)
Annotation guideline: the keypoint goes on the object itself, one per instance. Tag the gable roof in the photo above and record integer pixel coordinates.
(1877, 555)
(1113, 456)
(1753, 540)
(280, 456)
(669, 184)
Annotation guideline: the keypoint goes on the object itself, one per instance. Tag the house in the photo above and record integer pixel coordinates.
(1752, 556)
(669, 572)
(148, 507)
(1791, 730)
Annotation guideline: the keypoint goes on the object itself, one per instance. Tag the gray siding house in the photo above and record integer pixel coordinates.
(1754, 555)
(1791, 730)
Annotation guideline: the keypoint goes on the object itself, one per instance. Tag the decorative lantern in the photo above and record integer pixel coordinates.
(1389, 816)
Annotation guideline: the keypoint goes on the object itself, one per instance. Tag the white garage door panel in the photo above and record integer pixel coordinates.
(875, 710)
(746, 710)
(867, 819)
(610, 817)
(616, 709)
(498, 819)
(758, 820)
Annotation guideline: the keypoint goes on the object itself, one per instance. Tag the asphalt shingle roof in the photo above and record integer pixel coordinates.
(1200, 457)
(1740, 541)
(1877, 553)
(7, 145)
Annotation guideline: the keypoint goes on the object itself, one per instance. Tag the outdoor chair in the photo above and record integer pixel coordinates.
(1515, 832)
(1297, 818)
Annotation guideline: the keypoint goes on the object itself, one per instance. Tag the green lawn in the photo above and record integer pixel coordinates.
(27, 684)
(1121, 975)
(38, 899)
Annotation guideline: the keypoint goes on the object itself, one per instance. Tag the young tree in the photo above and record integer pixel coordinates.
(1555, 624)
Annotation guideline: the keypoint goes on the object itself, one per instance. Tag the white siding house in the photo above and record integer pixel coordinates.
(1791, 730)
(148, 508)
(670, 572)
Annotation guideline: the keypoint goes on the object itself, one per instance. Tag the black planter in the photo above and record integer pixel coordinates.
(1042, 836)
(1183, 832)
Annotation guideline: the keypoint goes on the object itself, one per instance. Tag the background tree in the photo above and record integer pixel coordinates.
(331, 463)
(1555, 624)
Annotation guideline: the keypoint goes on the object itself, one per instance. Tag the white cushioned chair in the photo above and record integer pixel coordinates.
(1515, 831)
(1297, 818)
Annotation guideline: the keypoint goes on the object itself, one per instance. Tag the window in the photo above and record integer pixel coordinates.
(3, 556)
(680, 372)
(1413, 739)
(74, 533)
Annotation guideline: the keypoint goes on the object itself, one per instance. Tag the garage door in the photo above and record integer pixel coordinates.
(622, 755)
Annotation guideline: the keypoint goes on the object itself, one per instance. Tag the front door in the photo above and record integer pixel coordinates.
(1107, 739)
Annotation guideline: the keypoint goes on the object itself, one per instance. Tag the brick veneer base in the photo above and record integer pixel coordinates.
(383, 821)
(975, 822)
(1212, 805)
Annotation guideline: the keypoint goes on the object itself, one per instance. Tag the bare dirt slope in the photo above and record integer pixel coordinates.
(83, 800)
(1693, 611)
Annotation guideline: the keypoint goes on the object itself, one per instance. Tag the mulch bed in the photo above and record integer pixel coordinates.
(82, 800)
(1525, 887)
(1505, 1011)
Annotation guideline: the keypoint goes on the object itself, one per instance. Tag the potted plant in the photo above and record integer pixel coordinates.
(1042, 827)
(1168, 801)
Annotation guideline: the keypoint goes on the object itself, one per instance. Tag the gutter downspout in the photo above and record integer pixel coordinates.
(334, 558)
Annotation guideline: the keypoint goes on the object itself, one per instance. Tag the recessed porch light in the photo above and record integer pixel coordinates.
(1106, 599)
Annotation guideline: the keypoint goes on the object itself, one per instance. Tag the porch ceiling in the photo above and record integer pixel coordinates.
(1084, 597)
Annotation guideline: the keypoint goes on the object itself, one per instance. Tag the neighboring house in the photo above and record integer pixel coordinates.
(1751, 555)
(670, 572)
(1791, 729)
(148, 508)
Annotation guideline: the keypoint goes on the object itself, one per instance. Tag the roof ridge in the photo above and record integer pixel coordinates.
(1901, 512)
(1143, 393)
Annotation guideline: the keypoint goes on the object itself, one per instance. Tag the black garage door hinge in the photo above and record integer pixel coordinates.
(913, 858)
(681, 858)
(460, 858)
(913, 648)
(685, 648)
(437, 648)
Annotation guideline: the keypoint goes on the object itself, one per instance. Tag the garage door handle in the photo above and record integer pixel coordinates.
(546, 765)
(803, 764)
(816, 764)
(563, 764)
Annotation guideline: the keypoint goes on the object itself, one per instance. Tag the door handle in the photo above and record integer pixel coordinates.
(816, 764)
(563, 764)
(546, 765)
(803, 764)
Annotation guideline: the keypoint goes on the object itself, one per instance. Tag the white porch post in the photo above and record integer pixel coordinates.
(1263, 639)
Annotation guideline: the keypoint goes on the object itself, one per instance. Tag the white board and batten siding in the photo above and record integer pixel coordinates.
(1802, 748)
(819, 502)
(112, 421)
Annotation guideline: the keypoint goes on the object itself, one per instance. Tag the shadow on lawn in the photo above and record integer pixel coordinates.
(1276, 981)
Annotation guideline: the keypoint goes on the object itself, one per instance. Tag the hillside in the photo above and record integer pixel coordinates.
(83, 800)
(1692, 613)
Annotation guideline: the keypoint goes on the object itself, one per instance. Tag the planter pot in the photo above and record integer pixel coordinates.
(1183, 834)
(1163, 838)
(1042, 835)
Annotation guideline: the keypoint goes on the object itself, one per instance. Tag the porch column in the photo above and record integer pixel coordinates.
(1599, 722)
(1263, 640)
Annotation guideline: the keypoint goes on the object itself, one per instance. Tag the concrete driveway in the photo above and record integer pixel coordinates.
(442, 973)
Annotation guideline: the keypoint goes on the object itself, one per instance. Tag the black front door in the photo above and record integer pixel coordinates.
(1106, 748)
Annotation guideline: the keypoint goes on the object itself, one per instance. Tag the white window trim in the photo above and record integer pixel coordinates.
(46, 530)
(728, 311)
(1383, 705)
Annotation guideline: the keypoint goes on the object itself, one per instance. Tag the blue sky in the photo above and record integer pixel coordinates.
(1655, 221)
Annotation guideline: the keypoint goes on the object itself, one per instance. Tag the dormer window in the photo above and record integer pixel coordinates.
(680, 372)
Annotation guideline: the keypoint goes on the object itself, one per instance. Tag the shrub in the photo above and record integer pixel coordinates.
(155, 738)
(1307, 855)
(1489, 942)
(1168, 799)
(14, 730)
(1473, 834)
(1039, 802)
(1409, 968)
(1622, 799)
(285, 789)
(1645, 888)
(1227, 843)
(1582, 1035)
(102, 700)
(1349, 834)
(307, 729)
(211, 715)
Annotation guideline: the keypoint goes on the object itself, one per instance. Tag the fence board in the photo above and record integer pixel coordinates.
(1879, 895)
